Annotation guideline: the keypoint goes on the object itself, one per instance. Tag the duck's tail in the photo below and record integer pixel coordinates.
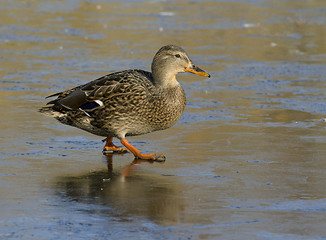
(50, 112)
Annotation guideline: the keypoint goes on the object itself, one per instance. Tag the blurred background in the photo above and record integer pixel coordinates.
(245, 161)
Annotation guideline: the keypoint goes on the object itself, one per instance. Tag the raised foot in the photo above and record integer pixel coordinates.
(151, 157)
(139, 155)
(160, 158)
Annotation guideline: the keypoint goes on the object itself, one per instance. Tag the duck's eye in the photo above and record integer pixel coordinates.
(177, 56)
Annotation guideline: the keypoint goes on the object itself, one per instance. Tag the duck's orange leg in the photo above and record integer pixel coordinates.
(109, 146)
(139, 155)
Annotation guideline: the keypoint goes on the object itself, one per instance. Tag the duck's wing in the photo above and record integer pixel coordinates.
(92, 95)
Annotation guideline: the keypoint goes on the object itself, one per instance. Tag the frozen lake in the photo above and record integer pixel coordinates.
(247, 160)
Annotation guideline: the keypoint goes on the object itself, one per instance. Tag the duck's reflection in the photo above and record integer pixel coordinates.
(124, 193)
(128, 168)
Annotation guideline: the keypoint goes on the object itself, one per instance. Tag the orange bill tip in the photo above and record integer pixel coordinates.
(196, 70)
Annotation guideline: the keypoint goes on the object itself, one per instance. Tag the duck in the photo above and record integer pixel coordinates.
(128, 102)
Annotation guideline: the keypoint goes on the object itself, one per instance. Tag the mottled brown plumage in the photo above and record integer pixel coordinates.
(128, 103)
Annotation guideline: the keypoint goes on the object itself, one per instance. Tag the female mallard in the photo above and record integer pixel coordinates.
(128, 103)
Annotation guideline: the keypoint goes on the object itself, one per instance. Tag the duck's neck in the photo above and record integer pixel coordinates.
(164, 79)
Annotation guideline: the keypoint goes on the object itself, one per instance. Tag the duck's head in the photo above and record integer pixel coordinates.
(168, 62)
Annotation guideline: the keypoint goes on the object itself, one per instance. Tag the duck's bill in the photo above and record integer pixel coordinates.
(196, 70)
